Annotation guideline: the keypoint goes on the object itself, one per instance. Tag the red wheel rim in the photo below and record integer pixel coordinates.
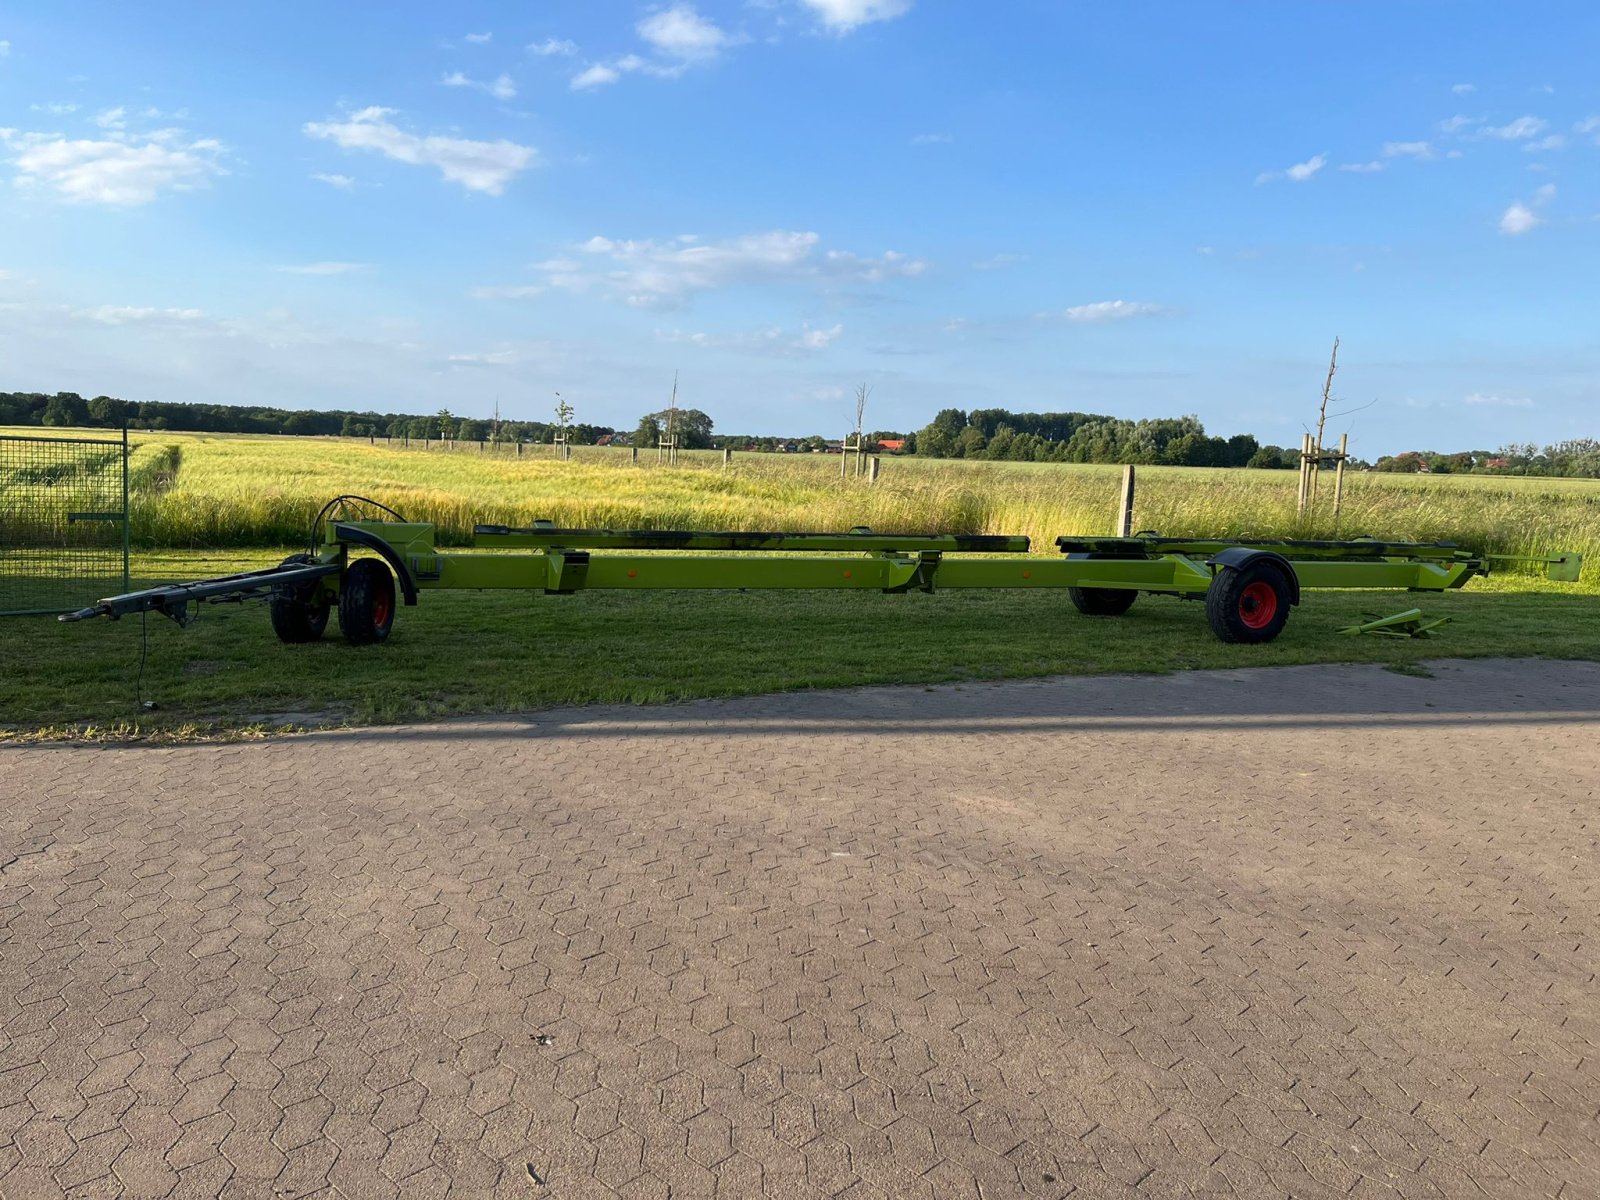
(1258, 604)
(380, 610)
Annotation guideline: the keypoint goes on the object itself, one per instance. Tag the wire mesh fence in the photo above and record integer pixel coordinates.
(63, 522)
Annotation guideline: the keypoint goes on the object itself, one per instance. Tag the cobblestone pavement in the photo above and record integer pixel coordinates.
(1309, 931)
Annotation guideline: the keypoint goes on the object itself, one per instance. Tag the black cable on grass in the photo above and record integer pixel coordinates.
(144, 650)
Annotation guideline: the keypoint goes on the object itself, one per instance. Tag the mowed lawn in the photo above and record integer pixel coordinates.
(205, 505)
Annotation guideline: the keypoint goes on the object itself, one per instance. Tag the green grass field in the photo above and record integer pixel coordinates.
(209, 504)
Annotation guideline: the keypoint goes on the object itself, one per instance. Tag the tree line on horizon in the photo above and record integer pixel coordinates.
(993, 434)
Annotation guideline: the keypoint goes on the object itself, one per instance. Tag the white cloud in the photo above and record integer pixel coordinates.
(479, 39)
(478, 166)
(1366, 168)
(344, 183)
(1462, 89)
(490, 358)
(503, 88)
(890, 265)
(841, 16)
(997, 262)
(56, 110)
(681, 32)
(662, 275)
(323, 268)
(1478, 398)
(553, 46)
(113, 118)
(818, 339)
(1420, 150)
(1300, 172)
(932, 139)
(680, 38)
(1588, 125)
(598, 75)
(5, 49)
(506, 292)
(771, 340)
(1519, 219)
(109, 314)
(1553, 141)
(1522, 127)
(1458, 122)
(1111, 310)
(122, 172)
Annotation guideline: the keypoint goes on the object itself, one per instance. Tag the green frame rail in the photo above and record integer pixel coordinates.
(560, 561)
(1248, 586)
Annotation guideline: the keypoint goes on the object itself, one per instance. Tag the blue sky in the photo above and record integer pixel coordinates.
(1144, 210)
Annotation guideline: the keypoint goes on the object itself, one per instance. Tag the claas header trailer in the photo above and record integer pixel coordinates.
(365, 569)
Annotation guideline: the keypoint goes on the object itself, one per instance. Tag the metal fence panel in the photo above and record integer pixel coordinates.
(63, 522)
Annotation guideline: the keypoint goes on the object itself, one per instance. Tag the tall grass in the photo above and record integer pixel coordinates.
(216, 491)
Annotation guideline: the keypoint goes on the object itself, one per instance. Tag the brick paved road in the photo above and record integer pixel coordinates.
(1316, 931)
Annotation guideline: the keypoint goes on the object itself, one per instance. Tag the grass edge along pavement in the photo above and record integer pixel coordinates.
(497, 652)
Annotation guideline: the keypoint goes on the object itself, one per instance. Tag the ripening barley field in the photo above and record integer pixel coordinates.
(218, 491)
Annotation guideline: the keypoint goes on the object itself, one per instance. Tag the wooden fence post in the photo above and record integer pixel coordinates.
(1338, 481)
(875, 464)
(1125, 504)
(1304, 477)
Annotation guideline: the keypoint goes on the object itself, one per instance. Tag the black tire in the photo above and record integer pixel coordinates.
(1249, 606)
(1103, 602)
(366, 602)
(299, 611)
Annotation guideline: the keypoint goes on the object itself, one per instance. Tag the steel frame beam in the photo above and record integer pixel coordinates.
(559, 561)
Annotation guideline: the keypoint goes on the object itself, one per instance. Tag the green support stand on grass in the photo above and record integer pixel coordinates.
(1409, 624)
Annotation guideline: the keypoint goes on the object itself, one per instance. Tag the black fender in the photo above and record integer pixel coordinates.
(373, 542)
(1240, 558)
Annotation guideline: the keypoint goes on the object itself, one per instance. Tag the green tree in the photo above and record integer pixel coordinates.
(108, 412)
(66, 408)
(1242, 448)
(692, 427)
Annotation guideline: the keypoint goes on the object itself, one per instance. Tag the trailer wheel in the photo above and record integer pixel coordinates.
(366, 602)
(1103, 602)
(299, 612)
(1249, 605)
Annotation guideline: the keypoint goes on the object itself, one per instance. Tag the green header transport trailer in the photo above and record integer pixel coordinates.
(1248, 586)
